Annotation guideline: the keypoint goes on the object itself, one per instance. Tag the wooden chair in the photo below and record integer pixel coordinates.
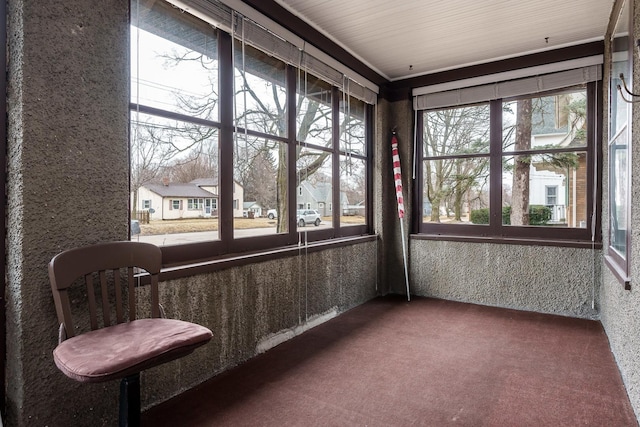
(129, 345)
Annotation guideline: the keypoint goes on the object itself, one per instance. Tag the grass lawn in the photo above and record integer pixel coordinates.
(211, 224)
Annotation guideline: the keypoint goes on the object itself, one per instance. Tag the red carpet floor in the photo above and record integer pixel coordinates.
(426, 362)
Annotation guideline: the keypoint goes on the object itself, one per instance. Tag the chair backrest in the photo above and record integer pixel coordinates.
(104, 263)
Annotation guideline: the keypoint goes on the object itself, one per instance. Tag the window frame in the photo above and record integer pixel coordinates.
(618, 264)
(184, 254)
(495, 231)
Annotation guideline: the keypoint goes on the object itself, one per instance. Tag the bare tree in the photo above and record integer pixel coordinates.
(566, 111)
(261, 106)
(448, 133)
(468, 174)
(258, 183)
(314, 123)
(161, 147)
(194, 167)
(520, 188)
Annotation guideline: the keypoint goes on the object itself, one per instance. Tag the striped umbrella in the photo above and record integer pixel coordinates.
(397, 176)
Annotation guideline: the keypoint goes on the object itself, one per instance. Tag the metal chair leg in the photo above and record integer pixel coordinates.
(130, 401)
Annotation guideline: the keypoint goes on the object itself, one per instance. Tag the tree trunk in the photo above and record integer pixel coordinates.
(134, 204)
(520, 194)
(281, 190)
(457, 204)
(435, 210)
(458, 192)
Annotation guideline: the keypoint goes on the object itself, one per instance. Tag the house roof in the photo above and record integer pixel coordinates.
(321, 191)
(183, 190)
(247, 205)
(205, 182)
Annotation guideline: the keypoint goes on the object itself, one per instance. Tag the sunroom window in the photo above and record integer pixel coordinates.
(617, 256)
(233, 128)
(544, 160)
(521, 167)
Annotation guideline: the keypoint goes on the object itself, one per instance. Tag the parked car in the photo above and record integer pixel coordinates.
(308, 216)
(272, 214)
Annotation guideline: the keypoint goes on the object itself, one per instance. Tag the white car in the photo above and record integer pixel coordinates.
(272, 214)
(308, 216)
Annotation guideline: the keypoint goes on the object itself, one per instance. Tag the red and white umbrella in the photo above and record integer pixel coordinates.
(397, 177)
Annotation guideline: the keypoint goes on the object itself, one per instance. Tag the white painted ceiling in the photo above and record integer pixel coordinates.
(406, 38)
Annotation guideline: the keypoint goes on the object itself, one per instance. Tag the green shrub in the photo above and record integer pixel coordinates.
(538, 215)
(506, 214)
(480, 216)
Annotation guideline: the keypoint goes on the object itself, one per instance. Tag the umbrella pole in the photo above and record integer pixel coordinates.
(404, 258)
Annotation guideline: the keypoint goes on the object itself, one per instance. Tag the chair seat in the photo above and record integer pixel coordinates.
(127, 348)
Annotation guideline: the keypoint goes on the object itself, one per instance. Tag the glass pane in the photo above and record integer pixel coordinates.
(314, 189)
(313, 111)
(259, 189)
(546, 189)
(174, 62)
(174, 180)
(353, 190)
(456, 191)
(618, 108)
(261, 97)
(618, 194)
(456, 131)
(556, 121)
(352, 125)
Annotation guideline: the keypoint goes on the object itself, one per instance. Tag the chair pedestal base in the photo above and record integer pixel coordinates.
(130, 401)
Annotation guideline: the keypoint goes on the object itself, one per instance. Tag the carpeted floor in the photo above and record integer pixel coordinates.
(426, 362)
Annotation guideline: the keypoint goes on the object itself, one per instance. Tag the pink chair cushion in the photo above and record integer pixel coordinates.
(126, 348)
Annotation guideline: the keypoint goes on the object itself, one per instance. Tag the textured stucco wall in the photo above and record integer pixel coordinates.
(620, 312)
(68, 186)
(382, 199)
(247, 306)
(538, 278)
(399, 116)
(543, 279)
(67, 174)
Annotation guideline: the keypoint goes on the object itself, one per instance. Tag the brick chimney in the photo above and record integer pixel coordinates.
(165, 181)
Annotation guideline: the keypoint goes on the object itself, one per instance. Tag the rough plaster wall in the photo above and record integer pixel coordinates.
(543, 279)
(67, 182)
(400, 116)
(620, 312)
(243, 306)
(382, 199)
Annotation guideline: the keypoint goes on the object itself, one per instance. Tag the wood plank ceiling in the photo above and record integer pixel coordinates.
(407, 38)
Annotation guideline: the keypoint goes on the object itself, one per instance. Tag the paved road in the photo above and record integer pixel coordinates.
(203, 236)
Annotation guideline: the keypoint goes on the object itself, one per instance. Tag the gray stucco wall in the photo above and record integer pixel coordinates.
(543, 279)
(620, 312)
(67, 175)
(259, 305)
(68, 186)
(382, 201)
(400, 118)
